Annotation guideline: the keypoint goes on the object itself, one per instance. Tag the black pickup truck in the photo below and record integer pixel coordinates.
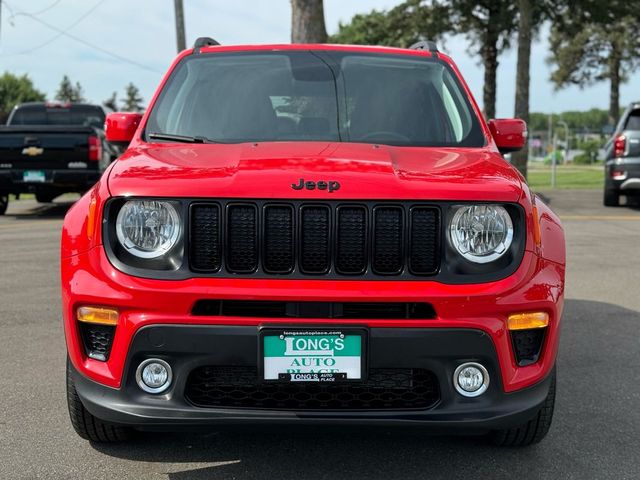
(622, 167)
(52, 148)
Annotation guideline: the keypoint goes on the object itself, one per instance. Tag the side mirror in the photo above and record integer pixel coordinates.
(120, 127)
(510, 134)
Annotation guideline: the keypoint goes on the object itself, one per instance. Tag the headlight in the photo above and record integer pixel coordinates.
(148, 228)
(481, 233)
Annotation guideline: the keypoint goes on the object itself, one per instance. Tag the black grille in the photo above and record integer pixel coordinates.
(278, 239)
(205, 238)
(385, 389)
(425, 241)
(351, 241)
(527, 345)
(388, 240)
(314, 243)
(296, 238)
(242, 238)
(344, 310)
(97, 340)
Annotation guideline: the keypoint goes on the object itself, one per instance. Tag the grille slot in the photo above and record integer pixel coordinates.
(279, 250)
(314, 243)
(527, 345)
(344, 310)
(424, 242)
(298, 239)
(388, 240)
(206, 252)
(351, 241)
(384, 389)
(97, 340)
(242, 240)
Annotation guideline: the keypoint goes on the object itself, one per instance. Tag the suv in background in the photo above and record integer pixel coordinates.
(622, 165)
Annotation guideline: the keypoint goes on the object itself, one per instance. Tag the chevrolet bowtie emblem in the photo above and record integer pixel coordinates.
(32, 151)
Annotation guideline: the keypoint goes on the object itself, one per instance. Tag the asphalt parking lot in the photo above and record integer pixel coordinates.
(595, 435)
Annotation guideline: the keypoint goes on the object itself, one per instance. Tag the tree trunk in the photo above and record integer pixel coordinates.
(519, 159)
(180, 35)
(490, 62)
(307, 22)
(614, 94)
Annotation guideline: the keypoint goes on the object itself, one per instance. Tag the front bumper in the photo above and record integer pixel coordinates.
(12, 181)
(89, 278)
(186, 348)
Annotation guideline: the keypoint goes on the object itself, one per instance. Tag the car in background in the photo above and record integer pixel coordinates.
(622, 160)
(52, 148)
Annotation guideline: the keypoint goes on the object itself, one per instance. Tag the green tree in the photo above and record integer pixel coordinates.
(590, 148)
(132, 101)
(593, 120)
(112, 102)
(401, 26)
(488, 24)
(67, 92)
(598, 41)
(16, 89)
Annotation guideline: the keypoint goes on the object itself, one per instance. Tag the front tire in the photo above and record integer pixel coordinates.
(611, 198)
(4, 203)
(534, 430)
(86, 425)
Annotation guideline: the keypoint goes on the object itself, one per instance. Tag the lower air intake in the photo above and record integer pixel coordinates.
(97, 340)
(240, 387)
(527, 345)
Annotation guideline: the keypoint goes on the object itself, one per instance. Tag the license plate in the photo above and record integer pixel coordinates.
(312, 355)
(33, 176)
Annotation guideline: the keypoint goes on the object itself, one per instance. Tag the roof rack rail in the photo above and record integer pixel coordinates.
(426, 45)
(204, 42)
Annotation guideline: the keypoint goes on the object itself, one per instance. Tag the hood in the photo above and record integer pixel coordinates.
(270, 170)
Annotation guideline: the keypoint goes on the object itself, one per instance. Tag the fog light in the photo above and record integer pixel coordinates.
(153, 375)
(471, 379)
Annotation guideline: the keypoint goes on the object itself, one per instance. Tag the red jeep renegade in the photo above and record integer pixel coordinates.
(312, 233)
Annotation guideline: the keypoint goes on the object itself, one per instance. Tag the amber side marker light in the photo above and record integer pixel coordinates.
(537, 235)
(99, 315)
(528, 321)
(91, 218)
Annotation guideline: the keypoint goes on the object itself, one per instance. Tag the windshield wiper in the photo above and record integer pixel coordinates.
(179, 138)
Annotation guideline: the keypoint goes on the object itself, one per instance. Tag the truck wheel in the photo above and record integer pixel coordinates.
(86, 425)
(43, 197)
(535, 429)
(4, 203)
(611, 198)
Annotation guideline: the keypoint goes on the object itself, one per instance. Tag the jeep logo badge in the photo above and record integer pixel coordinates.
(330, 185)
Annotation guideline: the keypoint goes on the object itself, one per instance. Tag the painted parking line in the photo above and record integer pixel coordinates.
(601, 217)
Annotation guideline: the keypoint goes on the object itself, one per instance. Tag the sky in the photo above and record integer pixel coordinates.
(115, 42)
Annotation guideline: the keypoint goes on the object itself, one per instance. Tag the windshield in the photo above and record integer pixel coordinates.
(316, 96)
